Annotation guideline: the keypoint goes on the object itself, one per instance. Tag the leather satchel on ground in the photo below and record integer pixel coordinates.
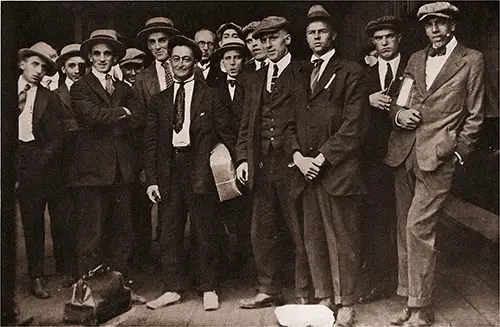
(97, 297)
(224, 173)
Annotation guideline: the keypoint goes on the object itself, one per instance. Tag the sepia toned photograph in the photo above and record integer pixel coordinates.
(250, 163)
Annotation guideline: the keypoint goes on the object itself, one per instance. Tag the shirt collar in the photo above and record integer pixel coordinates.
(21, 83)
(100, 76)
(204, 66)
(326, 57)
(284, 62)
(191, 78)
(229, 78)
(159, 64)
(450, 46)
(393, 62)
(259, 64)
(69, 83)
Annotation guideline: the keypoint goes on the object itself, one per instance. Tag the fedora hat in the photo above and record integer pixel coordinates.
(44, 51)
(71, 50)
(318, 12)
(106, 36)
(179, 40)
(232, 44)
(133, 55)
(158, 24)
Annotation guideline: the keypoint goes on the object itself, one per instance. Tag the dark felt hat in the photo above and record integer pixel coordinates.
(271, 24)
(182, 40)
(384, 22)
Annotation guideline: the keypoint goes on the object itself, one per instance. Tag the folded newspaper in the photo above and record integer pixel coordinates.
(224, 173)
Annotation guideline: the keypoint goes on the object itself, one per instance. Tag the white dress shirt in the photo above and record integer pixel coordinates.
(259, 64)
(182, 138)
(50, 82)
(205, 68)
(433, 65)
(282, 64)
(326, 59)
(69, 83)
(382, 69)
(102, 79)
(26, 116)
(160, 72)
(231, 88)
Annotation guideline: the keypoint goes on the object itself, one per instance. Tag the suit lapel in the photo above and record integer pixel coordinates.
(97, 87)
(40, 105)
(118, 94)
(152, 83)
(260, 87)
(452, 65)
(419, 77)
(64, 95)
(330, 69)
(198, 94)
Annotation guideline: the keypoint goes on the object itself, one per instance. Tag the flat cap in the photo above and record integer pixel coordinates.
(318, 12)
(250, 28)
(384, 22)
(438, 9)
(133, 55)
(271, 24)
(220, 31)
(179, 40)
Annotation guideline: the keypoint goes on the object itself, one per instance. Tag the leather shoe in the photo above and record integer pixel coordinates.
(421, 317)
(402, 317)
(261, 300)
(136, 298)
(38, 288)
(327, 302)
(301, 300)
(374, 294)
(345, 317)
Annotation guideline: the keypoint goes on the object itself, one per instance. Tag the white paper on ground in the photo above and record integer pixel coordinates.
(302, 315)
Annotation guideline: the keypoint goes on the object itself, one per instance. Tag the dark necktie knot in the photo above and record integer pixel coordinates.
(231, 82)
(27, 87)
(433, 52)
(317, 62)
(22, 97)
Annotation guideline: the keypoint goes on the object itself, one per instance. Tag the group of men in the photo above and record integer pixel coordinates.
(311, 143)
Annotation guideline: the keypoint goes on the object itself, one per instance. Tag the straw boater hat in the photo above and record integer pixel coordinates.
(133, 55)
(71, 50)
(182, 40)
(232, 44)
(44, 51)
(106, 36)
(158, 24)
(384, 22)
(438, 9)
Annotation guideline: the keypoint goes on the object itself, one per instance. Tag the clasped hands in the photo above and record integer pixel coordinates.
(310, 167)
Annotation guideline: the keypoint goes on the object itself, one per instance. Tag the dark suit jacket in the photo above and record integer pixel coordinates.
(209, 126)
(69, 118)
(452, 110)
(215, 74)
(107, 136)
(333, 123)
(248, 100)
(146, 85)
(48, 132)
(380, 126)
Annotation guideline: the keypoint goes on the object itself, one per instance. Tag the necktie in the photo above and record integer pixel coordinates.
(109, 84)
(274, 78)
(179, 108)
(437, 51)
(315, 73)
(388, 76)
(169, 81)
(22, 97)
(231, 82)
(262, 64)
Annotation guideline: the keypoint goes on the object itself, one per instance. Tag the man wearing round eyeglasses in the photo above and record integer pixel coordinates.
(207, 41)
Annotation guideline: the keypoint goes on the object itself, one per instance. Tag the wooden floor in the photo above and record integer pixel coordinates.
(466, 293)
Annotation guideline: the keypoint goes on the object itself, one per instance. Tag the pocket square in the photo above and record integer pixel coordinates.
(330, 81)
(202, 114)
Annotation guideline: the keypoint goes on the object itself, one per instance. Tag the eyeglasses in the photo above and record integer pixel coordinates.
(202, 44)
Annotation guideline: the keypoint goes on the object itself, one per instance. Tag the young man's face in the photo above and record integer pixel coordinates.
(276, 44)
(102, 58)
(74, 68)
(230, 33)
(34, 68)
(439, 30)
(255, 47)
(182, 61)
(131, 70)
(320, 37)
(233, 62)
(157, 44)
(386, 43)
(206, 42)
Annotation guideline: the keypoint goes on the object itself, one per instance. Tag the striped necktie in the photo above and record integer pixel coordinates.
(315, 73)
(179, 107)
(274, 78)
(169, 80)
(110, 88)
(22, 97)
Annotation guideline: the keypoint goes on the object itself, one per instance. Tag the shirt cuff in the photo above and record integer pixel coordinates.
(396, 118)
(459, 157)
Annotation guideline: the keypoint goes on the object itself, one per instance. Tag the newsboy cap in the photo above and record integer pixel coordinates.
(44, 51)
(180, 40)
(250, 28)
(437, 9)
(103, 36)
(318, 12)
(220, 31)
(133, 55)
(158, 24)
(271, 24)
(384, 22)
(71, 50)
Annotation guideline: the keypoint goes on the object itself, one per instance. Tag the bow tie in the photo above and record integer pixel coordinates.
(437, 52)
(231, 82)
